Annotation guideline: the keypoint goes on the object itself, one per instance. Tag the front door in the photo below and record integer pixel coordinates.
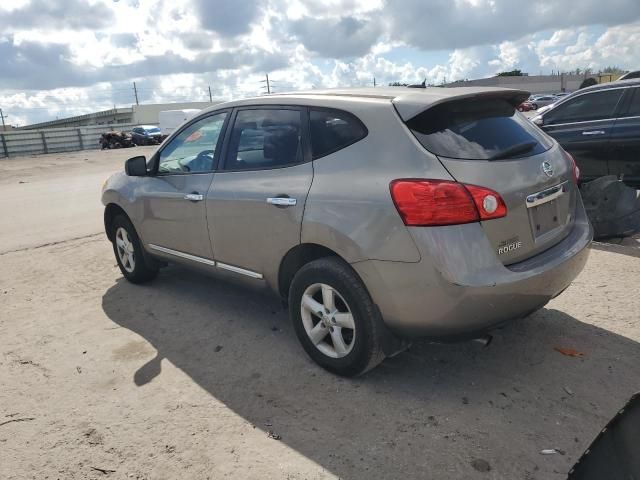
(174, 220)
(582, 125)
(256, 200)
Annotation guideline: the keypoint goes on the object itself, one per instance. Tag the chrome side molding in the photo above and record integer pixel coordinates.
(206, 261)
(176, 253)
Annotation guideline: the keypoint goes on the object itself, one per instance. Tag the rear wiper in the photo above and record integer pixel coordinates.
(523, 147)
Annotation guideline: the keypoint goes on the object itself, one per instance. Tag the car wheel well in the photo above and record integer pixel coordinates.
(295, 259)
(111, 211)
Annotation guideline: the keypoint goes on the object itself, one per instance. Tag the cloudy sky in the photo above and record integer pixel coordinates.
(65, 57)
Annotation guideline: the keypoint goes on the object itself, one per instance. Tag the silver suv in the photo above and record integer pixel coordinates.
(379, 215)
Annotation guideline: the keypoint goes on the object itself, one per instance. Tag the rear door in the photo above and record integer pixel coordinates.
(625, 140)
(582, 125)
(486, 142)
(256, 201)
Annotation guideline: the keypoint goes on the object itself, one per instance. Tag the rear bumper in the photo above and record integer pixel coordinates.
(460, 288)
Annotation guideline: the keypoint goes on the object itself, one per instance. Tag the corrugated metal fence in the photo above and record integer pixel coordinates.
(54, 140)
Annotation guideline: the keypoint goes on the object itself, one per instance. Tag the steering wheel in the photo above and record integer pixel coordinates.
(202, 162)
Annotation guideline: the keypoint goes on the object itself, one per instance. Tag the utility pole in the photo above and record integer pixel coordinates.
(135, 91)
(374, 82)
(210, 97)
(268, 84)
(3, 116)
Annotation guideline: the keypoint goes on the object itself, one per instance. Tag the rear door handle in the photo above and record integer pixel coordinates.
(194, 197)
(282, 201)
(593, 132)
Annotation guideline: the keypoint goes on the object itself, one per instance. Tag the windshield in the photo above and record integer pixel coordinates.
(152, 130)
(478, 130)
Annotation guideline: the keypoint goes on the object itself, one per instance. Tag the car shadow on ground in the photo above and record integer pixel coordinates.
(605, 246)
(435, 408)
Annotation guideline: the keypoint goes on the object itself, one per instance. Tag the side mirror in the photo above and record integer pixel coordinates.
(539, 121)
(136, 166)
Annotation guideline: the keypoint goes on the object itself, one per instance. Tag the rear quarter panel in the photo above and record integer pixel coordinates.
(349, 207)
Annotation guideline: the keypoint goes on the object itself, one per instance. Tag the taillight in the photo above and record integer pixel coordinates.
(574, 167)
(442, 202)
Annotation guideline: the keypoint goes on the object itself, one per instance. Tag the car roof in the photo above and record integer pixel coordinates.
(408, 101)
(632, 82)
(147, 127)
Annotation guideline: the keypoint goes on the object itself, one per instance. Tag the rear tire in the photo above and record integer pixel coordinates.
(128, 251)
(334, 317)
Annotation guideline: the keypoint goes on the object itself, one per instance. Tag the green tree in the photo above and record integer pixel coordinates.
(512, 73)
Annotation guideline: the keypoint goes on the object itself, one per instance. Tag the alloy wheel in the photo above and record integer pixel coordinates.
(126, 252)
(328, 320)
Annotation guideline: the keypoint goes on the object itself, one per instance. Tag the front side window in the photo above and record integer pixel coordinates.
(262, 139)
(332, 130)
(193, 149)
(585, 108)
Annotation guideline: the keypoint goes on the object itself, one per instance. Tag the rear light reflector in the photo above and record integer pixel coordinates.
(489, 203)
(575, 170)
(442, 202)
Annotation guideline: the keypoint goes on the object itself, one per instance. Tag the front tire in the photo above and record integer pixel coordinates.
(129, 254)
(334, 317)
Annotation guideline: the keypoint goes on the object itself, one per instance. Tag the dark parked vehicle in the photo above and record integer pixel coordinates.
(600, 127)
(109, 140)
(147, 135)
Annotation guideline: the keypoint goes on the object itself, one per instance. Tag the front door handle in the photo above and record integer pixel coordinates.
(282, 201)
(194, 197)
(593, 132)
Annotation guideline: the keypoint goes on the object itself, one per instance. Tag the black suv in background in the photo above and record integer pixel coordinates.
(600, 127)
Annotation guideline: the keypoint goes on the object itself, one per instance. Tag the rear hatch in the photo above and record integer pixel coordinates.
(482, 140)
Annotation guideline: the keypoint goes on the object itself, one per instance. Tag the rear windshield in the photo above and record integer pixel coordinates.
(473, 129)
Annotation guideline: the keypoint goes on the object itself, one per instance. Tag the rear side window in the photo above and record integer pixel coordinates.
(263, 139)
(478, 130)
(333, 130)
(585, 108)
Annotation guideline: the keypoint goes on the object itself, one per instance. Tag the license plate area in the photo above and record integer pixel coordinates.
(546, 210)
(545, 218)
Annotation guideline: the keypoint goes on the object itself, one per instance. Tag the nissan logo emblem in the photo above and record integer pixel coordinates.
(547, 169)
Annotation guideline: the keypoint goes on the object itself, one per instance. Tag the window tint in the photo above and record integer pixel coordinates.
(267, 138)
(193, 149)
(332, 130)
(634, 105)
(478, 129)
(592, 106)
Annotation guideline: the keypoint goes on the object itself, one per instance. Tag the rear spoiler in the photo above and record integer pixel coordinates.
(410, 104)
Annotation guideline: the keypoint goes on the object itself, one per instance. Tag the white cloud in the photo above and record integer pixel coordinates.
(71, 56)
